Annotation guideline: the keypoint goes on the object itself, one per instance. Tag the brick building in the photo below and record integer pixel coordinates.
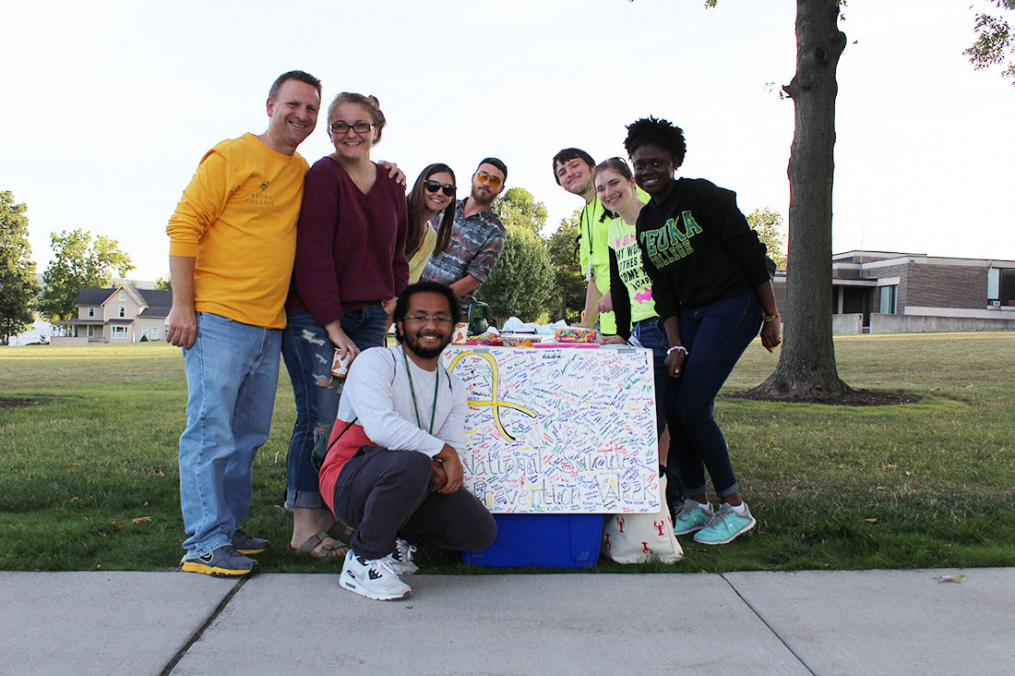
(889, 292)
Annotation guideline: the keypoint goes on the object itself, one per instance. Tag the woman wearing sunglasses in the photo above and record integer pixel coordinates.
(432, 193)
(350, 266)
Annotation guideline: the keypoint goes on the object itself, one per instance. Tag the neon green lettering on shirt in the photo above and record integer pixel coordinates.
(674, 228)
(662, 236)
(650, 242)
(690, 225)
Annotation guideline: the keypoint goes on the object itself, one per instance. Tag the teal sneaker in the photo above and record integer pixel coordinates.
(690, 518)
(725, 526)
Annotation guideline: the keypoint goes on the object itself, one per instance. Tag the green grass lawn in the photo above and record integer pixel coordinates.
(88, 478)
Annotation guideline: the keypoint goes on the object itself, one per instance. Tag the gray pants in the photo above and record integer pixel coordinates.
(388, 494)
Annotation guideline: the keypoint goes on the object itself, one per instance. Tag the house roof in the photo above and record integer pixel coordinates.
(94, 296)
(155, 312)
(157, 298)
(153, 298)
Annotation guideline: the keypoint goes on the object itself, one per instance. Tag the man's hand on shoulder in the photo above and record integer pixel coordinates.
(181, 326)
(451, 467)
(395, 173)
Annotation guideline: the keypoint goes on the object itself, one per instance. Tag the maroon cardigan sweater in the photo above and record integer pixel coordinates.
(350, 247)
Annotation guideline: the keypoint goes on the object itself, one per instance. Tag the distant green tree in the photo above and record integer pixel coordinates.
(517, 207)
(164, 283)
(522, 281)
(78, 264)
(18, 288)
(568, 298)
(995, 45)
(768, 224)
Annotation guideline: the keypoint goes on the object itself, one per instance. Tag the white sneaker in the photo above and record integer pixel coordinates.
(373, 579)
(400, 560)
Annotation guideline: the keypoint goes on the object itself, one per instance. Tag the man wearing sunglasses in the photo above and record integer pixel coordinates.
(232, 246)
(477, 239)
(392, 469)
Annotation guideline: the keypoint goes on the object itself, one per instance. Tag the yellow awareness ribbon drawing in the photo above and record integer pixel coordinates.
(495, 402)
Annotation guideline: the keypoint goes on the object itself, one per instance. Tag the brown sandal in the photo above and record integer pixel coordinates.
(340, 532)
(316, 547)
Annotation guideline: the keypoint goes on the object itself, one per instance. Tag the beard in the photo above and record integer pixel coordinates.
(412, 342)
(485, 198)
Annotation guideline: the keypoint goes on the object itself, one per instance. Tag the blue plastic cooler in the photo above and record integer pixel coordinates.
(542, 541)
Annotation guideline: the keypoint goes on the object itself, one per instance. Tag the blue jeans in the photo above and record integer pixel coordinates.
(232, 374)
(715, 336)
(308, 353)
(650, 335)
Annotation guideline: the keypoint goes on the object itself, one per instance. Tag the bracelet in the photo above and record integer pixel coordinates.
(771, 318)
(677, 347)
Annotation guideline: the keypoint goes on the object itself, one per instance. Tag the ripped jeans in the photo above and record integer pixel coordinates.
(308, 353)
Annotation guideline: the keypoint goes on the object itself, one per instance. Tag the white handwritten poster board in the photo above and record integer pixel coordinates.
(559, 429)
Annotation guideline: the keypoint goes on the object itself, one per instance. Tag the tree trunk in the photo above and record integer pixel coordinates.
(806, 367)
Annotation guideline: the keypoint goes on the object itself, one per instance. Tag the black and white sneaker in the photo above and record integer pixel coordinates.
(372, 578)
(401, 558)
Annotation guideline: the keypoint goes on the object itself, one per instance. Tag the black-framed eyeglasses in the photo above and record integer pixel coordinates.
(434, 186)
(423, 319)
(358, 127)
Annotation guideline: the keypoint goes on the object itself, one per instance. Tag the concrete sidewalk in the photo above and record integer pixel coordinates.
(860, 622)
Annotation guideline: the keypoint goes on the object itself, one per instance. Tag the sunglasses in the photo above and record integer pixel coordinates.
(484, 177)
(434, 186)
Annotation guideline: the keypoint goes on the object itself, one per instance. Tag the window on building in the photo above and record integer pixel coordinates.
(1007, 288)
(120, 332)
(155, 333)
(123, 312)
(887, 304)
(91, 312)
(123, 295)
(89, 331)
(144, 331)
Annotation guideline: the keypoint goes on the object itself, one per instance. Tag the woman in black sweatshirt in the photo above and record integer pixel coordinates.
(712, 290)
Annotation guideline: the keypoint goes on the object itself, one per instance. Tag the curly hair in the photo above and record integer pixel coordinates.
(654, 131)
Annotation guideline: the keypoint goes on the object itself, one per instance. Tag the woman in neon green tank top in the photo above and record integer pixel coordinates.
(630, 294)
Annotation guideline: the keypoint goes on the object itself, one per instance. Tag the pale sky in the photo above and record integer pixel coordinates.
(110, 105)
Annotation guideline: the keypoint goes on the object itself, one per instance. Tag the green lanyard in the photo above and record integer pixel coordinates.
(412, 388)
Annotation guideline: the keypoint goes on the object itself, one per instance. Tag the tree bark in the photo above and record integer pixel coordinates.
(806, 367)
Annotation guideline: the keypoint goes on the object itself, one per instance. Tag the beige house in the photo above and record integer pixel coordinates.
(122, 314)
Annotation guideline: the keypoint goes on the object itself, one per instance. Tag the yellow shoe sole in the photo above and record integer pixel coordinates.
(198, 567)
(248, 552)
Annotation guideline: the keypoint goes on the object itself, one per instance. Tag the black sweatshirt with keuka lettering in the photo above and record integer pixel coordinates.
(698, 248)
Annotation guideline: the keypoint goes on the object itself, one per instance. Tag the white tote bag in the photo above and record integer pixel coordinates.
(636, 538)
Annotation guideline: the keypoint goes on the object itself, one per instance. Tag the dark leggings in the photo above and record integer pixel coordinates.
(388, 494)
(715, 336)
